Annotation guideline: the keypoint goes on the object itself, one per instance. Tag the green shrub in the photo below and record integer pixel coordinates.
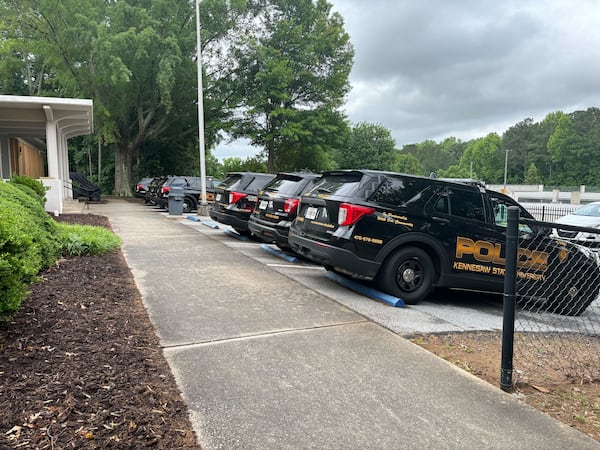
(40, 226)
(29, 242)
(36, 185)
(78, 240)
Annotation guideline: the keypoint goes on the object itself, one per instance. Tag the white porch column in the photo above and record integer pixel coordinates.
(55, 194)
(52, 144)
(63, 164)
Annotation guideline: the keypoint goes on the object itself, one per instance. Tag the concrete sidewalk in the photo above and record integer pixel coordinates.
(265, 363)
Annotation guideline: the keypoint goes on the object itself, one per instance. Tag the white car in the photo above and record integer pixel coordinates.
(587, 216)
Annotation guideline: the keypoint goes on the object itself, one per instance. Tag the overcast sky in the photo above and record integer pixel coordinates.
(431, 69)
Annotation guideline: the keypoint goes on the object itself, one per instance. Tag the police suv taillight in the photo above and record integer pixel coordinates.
(290, 205)
(349, 214)
(235, 197)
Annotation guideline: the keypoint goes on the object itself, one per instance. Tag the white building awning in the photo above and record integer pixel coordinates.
(53, 120)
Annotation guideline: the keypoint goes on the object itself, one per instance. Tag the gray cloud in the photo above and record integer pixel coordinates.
(432, 69)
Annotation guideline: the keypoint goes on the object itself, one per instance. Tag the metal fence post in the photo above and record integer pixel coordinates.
(509, 299)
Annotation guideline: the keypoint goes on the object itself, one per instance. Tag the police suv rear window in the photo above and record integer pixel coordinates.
(338, 184)
(257, 182)
(231, 182)
(284, 185)
(400, 191)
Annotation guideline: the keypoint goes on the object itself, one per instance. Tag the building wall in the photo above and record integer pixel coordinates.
(25, 159)
(4, 157)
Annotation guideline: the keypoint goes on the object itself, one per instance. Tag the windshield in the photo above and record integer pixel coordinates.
(588, 210)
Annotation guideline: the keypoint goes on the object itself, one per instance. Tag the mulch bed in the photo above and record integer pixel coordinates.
(81, 365)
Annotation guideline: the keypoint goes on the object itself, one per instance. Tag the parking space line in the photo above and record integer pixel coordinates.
(294, 266)
(279, 253)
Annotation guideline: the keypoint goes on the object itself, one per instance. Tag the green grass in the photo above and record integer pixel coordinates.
(81, 240)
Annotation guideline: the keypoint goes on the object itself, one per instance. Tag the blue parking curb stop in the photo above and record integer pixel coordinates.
(365, 290)
(237, 235)
(193, 218)
(279, 253)
(210, 224)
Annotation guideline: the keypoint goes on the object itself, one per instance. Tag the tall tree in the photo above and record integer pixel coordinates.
(532, 176)
(236, 164)
(435, 157)
(134, 58)
(292, 78)
(482, 159)
(370, 146)
(407, 163)
(527, 144)
(125, 55)
(570, 155)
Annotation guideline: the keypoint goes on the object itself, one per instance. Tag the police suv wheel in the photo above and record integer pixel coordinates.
(188, 205)
(407, 274)
(573, 296)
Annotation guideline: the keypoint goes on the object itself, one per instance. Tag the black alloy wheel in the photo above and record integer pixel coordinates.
(407, 274)
(188, 205)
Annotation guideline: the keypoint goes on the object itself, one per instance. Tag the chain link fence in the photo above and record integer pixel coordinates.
(550, 213)
(556, 291)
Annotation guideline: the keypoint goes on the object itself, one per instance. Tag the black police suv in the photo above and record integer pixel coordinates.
(141, 187)
(192, 191)
(410, 234)
(277, 205)
(153, 190)
(235, 199)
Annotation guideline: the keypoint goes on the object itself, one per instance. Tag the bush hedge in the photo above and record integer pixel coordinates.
(31, 241)
(36, 185)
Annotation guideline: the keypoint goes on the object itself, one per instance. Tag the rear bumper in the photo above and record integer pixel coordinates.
(268, 231)
(237, 220)
(328, 255)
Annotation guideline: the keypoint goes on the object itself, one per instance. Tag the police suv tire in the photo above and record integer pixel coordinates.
(188, 204)
(407, 274)
(283, 247)
(242, 232)
(574, 297)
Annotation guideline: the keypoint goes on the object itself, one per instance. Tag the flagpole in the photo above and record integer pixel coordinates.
(203, 207)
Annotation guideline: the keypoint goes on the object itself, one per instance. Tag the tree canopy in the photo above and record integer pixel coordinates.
(292, 78)
(369, 146)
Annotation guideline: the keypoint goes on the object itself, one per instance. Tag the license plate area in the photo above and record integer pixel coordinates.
(311, 213)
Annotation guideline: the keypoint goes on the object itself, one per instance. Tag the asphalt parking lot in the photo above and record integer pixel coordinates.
(444, 311)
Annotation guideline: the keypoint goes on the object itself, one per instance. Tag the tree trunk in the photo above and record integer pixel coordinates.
(123, 158)
(270, 156)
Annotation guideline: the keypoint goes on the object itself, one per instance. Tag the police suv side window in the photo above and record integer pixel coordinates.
(400, 191)
(467, 204)
(441, 204)
(500, 207)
